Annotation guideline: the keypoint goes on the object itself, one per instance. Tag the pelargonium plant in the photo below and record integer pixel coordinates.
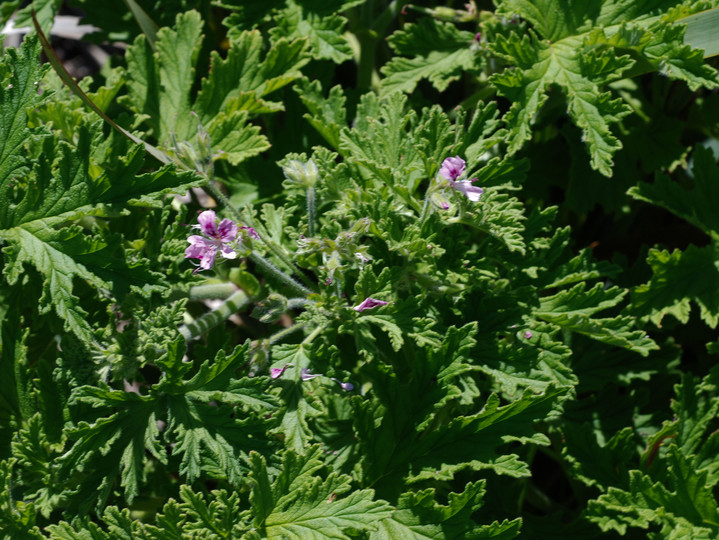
(358, 269)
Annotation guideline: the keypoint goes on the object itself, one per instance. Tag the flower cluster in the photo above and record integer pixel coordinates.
(215, 237)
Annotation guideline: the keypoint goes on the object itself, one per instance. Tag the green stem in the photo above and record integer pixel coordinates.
(367, 39)
(368, 48)
(294, 303)
(285, 332)
(387, 16)
(239, 300)
(210, 291)
(316, 332)
(311, 211)
(278, 274)
(425, 208)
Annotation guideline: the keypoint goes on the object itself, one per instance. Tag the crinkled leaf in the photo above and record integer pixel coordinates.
(678, 279)
(569, 48)
(684, 506)
(305, 505)
(440, 53)
(419, 517)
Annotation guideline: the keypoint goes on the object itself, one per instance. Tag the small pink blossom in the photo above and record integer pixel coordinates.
(369, 303)
(528, 334)
(214, 237)
(452, 168)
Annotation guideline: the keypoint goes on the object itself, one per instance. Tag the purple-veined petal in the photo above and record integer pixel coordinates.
(203, 249)
(452, 168)
(369, 303)
(226, 230)
(208, 223)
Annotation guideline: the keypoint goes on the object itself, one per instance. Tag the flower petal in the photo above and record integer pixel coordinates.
(227, 230)
(252, 233)
(276, 373)
(228, 252)
(208, 223)
(452, 168)
(370, 303)
(465, 187)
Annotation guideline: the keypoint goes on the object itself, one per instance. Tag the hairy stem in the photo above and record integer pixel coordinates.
(239, 300)
(311, 211)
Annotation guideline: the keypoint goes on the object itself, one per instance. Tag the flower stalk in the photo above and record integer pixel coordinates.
(236, 302)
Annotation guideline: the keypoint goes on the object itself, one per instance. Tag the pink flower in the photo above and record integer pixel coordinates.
(452, 168)
(528, 334)
(214, 237)
(465, 187)
(369, 303)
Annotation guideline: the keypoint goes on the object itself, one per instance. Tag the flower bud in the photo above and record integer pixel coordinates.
(304, 174)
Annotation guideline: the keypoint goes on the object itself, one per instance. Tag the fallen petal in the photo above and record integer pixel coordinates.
(370, 303)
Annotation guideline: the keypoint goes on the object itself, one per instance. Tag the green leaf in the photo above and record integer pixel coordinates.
(596, 464)
(419, 516)
(441, 53)
(684, 506)
(516, 362)
(579, 49)
(149, 28)
(37, 466)
(304, 505)
(22, 73)
(327, 116)
(696, 205)
(234, 140)
(678, 279)
(17, 518)
(206, 433)
(118, 522)
(573, 310)
(160, 87)
(244, 76)
(695, 410)
(117, 442)
(699, 34)
(541, 64)
(67, 190)
(325, 34)
(299, 406)
(178, 50)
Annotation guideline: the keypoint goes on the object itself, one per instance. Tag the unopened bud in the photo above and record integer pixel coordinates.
(304, 174)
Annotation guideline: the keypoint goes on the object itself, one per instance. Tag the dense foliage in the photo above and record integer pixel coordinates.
(452, 271)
